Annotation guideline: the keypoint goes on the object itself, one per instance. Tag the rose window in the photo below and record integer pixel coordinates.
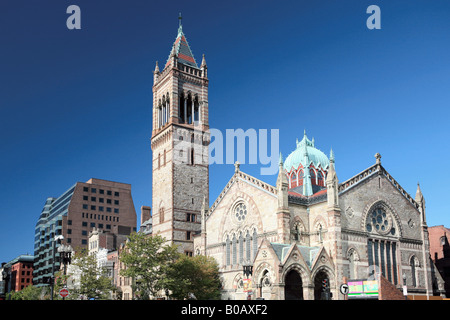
(240, 212)
(380, 222)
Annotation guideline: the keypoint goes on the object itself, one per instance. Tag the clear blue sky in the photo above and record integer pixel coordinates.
(76, 104)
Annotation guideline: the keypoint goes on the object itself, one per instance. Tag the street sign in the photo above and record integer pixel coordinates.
(344, 288)
(63, 292)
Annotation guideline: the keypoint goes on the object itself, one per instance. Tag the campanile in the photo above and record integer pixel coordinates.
(180, 139)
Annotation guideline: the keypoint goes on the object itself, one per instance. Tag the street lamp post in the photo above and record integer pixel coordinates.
(247, 269)
(52, 280)
(65, 256)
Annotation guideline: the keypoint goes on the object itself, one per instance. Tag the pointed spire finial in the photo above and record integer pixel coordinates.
(156, 68)
(173, 52)
(203, 62)
(331, 155)
(179, 20)
(236, 166)
(280, 162)
(378, 157)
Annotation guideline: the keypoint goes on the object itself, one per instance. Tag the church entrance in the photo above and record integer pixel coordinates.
(293, 288)
(321, 286)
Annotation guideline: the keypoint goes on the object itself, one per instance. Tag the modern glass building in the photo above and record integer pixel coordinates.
(101, 204)
(48, 227)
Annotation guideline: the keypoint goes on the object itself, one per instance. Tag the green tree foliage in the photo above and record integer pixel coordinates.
(94, 280)
(146, 260)
(30, 293)
(197, 277)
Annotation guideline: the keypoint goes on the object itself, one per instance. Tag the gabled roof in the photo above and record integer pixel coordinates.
(182, 50)
(371, 171)
(239, 175)
(283, 250)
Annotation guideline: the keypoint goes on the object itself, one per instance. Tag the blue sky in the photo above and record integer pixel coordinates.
(76, 104)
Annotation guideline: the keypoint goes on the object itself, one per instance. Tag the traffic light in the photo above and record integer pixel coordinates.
(325, 284)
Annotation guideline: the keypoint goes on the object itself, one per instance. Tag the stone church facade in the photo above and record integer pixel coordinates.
(306, 230)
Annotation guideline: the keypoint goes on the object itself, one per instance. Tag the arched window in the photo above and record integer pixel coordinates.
(181, 109)
(320, 179)
(255, 243)
(196, 110)
(234, 250)
(300, 178)
(413, 271)
(228, 251)
(312, 174)
(294, 179)
(241, 248)
(247, 245)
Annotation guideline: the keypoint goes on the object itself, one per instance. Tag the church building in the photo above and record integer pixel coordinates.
(304, 236)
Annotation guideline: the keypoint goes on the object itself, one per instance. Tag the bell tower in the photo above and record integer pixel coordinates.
(180, 139)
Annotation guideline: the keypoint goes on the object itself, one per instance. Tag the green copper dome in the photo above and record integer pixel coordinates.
(304, 155)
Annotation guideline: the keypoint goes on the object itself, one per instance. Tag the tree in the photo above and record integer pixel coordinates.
(195, 277)
(29, 293)
(146, 260)
(94, 280)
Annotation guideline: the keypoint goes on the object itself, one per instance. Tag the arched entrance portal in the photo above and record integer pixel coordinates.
(293, 288)
(321, 286)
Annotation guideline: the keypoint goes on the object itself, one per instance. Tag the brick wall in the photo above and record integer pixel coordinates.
(387, 291)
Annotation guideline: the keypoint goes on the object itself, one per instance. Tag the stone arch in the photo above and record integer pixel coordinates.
(320, 274)
(414, 264)
(295, 280)
(255, 221)
(302, 270)
(353, 258)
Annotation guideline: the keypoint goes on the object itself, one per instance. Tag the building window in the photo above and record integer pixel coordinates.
(234, 243)
(85, 189)
(228, 251)
(255, 243)
(116, 210)
(86, 198)
(93, 199)
(109, 192)
(93, 207)
(116, 194)
(188, 235)
(102, 191)
(116, 202)
(85, 206)
(93, 190)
